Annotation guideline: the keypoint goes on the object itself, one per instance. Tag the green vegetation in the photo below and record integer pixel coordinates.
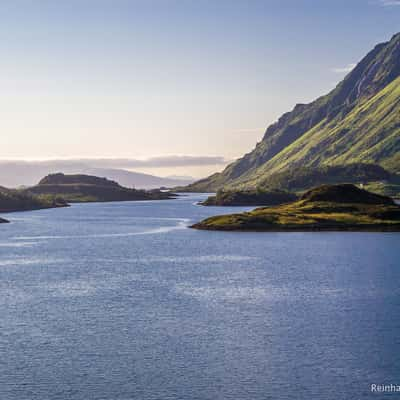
(15, 200)
(249, 198)
(86, 188)
(356, 123)
(370, 133)
(326, 208)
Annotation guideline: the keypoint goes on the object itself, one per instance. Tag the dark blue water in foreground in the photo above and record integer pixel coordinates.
(121, 301)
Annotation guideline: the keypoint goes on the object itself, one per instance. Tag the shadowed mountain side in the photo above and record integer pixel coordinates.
(370, 176)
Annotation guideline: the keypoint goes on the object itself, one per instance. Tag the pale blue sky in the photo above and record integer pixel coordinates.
(138, 79)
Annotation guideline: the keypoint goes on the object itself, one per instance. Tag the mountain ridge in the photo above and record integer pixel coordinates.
(373, 84)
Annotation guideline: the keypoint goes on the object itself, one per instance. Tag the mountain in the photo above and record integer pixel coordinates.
(87, 188)
(325, 208)
(28, 173)
(357, 122)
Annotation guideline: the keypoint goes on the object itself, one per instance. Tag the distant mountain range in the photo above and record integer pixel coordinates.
(357, 123)
(28, 173)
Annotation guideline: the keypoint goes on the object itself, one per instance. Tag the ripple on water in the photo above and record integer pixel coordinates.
(182, 224)
(16, 261)
(18, 244)
(225, 293)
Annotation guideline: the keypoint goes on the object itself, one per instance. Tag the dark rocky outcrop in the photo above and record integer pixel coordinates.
(249, 198)
(345, 193)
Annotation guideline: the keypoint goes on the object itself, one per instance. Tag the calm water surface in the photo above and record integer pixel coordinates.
(121, 301)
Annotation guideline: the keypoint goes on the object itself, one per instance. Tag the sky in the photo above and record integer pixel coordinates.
(156, 79)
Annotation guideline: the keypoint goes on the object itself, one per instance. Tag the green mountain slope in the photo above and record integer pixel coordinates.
(370, 133)
(356, 122)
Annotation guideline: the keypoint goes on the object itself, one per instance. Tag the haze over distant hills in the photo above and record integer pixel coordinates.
(356, 123)
(87, 188)
(27, 173)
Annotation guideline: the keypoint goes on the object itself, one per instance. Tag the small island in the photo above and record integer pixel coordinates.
(249, 198)
(88, 188)
(342, 207)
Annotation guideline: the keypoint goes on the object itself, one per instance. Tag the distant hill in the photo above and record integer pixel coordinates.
(357, 122)
(79, 179)
(137, 179)
(87, 188)
(14, 174)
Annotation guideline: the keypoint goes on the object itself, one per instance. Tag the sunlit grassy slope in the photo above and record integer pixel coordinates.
(370, 133)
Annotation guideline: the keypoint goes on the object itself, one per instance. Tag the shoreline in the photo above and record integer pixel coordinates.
(355, 228)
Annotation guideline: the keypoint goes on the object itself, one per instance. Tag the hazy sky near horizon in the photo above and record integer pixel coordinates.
(141, 79)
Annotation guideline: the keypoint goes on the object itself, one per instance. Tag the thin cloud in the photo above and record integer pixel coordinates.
(158, 162)
(153, 162)
(345, 69)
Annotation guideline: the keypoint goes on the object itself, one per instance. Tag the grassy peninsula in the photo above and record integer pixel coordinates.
(57, 190)
(342, 207)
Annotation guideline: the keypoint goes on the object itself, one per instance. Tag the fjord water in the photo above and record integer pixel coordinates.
(122, 301)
